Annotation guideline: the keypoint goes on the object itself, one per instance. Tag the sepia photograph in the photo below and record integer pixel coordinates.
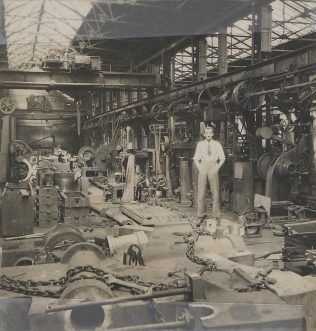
(157, 165)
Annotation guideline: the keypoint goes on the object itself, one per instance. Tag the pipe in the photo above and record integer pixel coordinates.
(168, 176)
(89, 289)
(153, 326)
(184, 178)
(64, 86)
(137, 238)
(286, 88)
(112, 213)
(146, 296)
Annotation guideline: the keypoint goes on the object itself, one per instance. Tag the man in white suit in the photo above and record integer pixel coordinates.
(209, 157)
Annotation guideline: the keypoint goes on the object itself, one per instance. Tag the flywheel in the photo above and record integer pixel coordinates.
(243, 97)
(7, 106)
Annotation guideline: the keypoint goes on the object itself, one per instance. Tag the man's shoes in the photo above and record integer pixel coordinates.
(200, 220)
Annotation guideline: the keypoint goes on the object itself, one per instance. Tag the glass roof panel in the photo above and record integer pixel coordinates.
(291, 19)
(33, 27)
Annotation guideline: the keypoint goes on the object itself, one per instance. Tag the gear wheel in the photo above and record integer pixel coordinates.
(7, 106)
(242, 96)
(159, 111)
(87, 153)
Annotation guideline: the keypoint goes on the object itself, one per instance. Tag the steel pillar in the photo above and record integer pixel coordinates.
(4, 148)
(222, 52)
(3, 40)
(266, 30)
(199, 60)
(184, 178)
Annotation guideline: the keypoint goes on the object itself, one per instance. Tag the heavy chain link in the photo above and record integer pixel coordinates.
(30, 288)
(261, 282)
(48, 288)
(191, 238)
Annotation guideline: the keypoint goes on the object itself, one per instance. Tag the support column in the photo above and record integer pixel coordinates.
(261, 34)
(111, 100)
(4, 148)
(171, 127)
(222, 52)
(184, 178)
(134, 96)
(129, 96)
(12, 128)
(313, 154)
(199, 60)
(195, 54)
(166, 74)
(222, 69)
(254, 39)
(266, 32)
(195, 174)
(202, 60)
(3, 40)
(172, 74)
(144, 138)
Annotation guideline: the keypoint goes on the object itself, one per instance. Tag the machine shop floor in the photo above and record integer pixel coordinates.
(260, 245)
(158, 268)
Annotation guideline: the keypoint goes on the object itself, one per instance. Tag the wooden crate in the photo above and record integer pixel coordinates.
(299, 238)
(74, 200)
(47, 191)
(47, 216)
(16, 214)
(74, 212)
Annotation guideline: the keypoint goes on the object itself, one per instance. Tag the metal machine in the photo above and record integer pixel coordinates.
(69, 60)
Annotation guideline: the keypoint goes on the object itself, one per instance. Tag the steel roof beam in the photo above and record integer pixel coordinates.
(44, 80)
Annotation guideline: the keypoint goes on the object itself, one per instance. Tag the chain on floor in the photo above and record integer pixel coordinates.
(54, 288)
(191, 238)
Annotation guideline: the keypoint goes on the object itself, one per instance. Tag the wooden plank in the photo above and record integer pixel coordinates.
(150, 215)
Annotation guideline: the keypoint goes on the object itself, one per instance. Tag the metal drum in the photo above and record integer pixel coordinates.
(66, 181)
(286, 167)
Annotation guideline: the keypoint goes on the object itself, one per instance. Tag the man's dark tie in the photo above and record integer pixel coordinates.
(209, 150)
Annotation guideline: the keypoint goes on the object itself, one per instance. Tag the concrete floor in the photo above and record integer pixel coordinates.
(172, 257)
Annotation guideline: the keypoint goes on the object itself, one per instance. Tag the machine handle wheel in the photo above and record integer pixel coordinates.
(7, 106)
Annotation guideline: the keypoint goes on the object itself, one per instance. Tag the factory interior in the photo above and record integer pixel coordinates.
(113, 215)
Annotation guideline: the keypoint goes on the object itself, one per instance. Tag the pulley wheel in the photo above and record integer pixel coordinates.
(22, 171)
(165, 143)
(7, 106)
(159, 110)
(87, 153)
(33, 159)
(204, 99)
(263, 164)
(302, 162)
(242, 96)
